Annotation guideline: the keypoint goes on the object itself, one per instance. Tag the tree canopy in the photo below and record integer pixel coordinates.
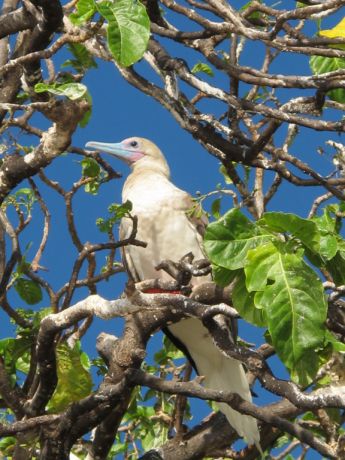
(260, 87)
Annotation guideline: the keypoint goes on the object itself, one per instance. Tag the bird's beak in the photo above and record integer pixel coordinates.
(118, 150)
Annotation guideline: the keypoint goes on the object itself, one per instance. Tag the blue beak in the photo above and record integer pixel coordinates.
(114, 149)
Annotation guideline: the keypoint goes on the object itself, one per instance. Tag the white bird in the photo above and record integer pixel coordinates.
(164, 224)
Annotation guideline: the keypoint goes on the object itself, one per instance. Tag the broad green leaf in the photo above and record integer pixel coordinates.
(322, 64)
(334, 342)
(328, 246)
(74, 381)
(326, 222)
(303, 229)
(128, 29)
(28, 290)
(73, 91)
(228, 240)
(222, 276)
(16, 354)
(336, 267)
(306, 368)
(155, 437)
(201, 67)
(244, 303)
(295, 315)
(327, 226)
(85, 10)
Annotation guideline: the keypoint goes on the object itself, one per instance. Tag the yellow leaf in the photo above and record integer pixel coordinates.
(337, 32)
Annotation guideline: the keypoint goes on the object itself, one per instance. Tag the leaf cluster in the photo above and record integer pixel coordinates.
(117, 212)
(276, 265)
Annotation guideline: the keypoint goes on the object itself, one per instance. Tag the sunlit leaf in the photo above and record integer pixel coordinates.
(117, 212)
(338, 31)
(303, 229)
(244, 303)
(201, 67)
(74, 381)
(228, 240)
(73, 91)
(85, 10)
(128, 29)
(295, 315)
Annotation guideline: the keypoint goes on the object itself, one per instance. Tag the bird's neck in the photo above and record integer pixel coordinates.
(147, 185)
(148, 165)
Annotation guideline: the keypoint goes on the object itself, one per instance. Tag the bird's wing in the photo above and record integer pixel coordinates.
(194, 213)
(125, 228)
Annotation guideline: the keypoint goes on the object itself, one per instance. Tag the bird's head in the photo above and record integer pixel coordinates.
(137, 152)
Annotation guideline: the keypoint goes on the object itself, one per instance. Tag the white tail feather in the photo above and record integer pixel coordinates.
(221, 373)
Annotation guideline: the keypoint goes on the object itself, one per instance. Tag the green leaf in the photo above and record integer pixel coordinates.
(201, 67)
(328, 246)
(169, 351)
(222, 276)
(7, 445)
(92, 187)
(85, 10)
(155, 436)
(228, 240)
(90, 167)
(244, 303)
(337, 346)
(87, 115)
(224, 173)
(128, 29)
(74, 381)
(117, 212)
(322, 64)
(120, 210)
(336, 267)
(303, 229)
(295, 315)
(254, 14)
(73, 91)
(215, 208)
(28, 290)
(327, 225)
(16, 354)
(83, 60)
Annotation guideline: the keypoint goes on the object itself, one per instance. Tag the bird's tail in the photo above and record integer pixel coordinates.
(231, 377)
(220, 373)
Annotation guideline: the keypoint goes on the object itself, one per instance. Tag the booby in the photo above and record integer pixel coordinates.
(170, 233)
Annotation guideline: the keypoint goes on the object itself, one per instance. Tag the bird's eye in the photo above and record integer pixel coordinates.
(134, 144)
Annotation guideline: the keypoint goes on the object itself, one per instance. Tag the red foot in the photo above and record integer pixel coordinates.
(160, 291)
